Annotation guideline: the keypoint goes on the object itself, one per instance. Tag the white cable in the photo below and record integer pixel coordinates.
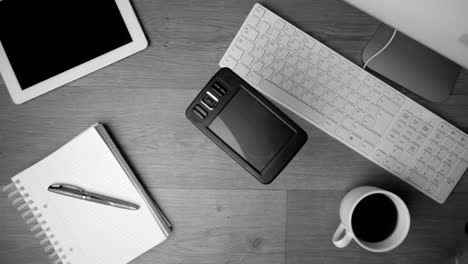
(381, 50)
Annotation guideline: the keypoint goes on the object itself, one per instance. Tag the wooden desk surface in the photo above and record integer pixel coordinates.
(220, 213)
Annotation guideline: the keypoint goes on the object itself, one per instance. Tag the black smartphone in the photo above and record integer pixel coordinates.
(248, 127)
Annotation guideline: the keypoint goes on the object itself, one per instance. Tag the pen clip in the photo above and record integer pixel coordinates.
(67, 186)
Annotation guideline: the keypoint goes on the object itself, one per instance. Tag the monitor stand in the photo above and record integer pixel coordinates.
(411, 65)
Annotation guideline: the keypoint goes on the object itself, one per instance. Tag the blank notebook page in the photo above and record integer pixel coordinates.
(87, 232)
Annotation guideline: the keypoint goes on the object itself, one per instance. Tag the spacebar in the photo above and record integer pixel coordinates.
(293, 104)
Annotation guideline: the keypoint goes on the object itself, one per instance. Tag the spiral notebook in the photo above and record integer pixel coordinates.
(76, 231)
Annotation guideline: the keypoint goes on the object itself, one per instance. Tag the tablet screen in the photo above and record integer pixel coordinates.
(251, 130)
(45, 38)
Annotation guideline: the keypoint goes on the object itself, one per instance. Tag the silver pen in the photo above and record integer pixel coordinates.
(79, 193)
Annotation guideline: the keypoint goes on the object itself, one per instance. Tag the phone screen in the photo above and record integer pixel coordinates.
(251, 130)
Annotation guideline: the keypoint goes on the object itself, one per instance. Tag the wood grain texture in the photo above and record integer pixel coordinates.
(211, 226)
(435, 233)
(142, 100)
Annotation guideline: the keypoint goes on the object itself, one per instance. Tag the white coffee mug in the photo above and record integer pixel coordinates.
(344, 234)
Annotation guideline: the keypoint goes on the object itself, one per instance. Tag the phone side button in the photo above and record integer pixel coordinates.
(200, 112)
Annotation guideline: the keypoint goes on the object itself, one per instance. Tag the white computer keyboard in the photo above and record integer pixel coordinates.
(348, 103)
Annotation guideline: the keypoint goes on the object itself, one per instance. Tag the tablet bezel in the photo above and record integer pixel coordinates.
(138, 43)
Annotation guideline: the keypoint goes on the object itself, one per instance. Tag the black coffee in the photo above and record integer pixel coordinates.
(374, 219)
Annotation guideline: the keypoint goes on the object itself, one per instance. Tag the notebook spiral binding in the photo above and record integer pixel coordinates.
(37, 224)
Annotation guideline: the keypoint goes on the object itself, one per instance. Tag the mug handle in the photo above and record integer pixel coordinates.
(344, 241)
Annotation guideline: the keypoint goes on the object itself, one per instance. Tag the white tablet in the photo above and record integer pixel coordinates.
(46, 44)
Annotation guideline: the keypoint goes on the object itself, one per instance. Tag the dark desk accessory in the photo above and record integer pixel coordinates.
(248, 127)
(411, 65)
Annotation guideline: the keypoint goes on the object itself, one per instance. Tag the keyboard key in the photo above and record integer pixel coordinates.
(382, 121)
(399, 126)
(396, 152)
(419, 167)
(272, 47)
(365, 147)
(324, 52)
(244, 44)
(399, 168)
(342, 132)
(303, 52)
(359, 114)
(353, 97)
(297, 91)
(273, 34)
(289, 29)
(249, 33)
(432, 146)
(299, 36)
(259, 11)
(282, 53)
(268, 58)
(263, 28)
(283, 39)
(405, 116)
(451, 158)
(309, 42)
(307, 97)
(389, 162)
(235, 52)
(379, 156)
(257, 66)
(277, 78)
(266, 72)
(453, 133)
(441, 153)
(339, 102)
(365, 133)
(288, 71)
(329, 125)
(253, 21)
(354, 70)
(292, 59)
(393, 136)
(298, 77)
(345, 77)
(413, 148)
(444, 190)
(458, 149)
(399, 99)
(303, 65)
(278, 64)
(419, 138)
(258, 52)
(463, 140)
(327, 110)
(444, 128)
(279, 24)
(294, 45)
(390, 93)
(309, 84)
(416, 122)
(435, 162)
(438, 136)
(241, 70)
(262, 41)
(445, 169)
(254, 77)
(379, 87)
(388, 105)
(368, 121)
(426, 157)
(307, 112)
(369, 81)
(247, 59)
(347, 122)
(337, 116)
(353, 140)
(229, 62)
